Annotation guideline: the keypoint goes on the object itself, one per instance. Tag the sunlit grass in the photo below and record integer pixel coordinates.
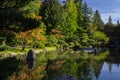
(18, 51)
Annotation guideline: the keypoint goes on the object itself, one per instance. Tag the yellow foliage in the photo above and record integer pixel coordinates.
(30, 35)
(57, 33)
(57, 65)
(27, 74)
(33, 16)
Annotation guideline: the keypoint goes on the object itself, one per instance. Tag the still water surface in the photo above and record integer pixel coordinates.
(63, 66)
(109, 71)
(84, 69)
(68, 67)
(110, 67)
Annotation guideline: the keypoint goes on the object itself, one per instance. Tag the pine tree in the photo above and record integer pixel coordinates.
(51, 14)
(109, 23)
(87, 11)
(14, 3)
(71, 19)
(79, 11)
(97, 21)
(80, 16)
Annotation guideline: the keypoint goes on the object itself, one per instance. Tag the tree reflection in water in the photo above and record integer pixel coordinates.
(31, 63)
(80, 69)
(71, 68)
(62, 69)
(96, 67)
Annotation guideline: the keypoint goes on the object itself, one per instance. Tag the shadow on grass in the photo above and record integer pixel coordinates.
(7, 67)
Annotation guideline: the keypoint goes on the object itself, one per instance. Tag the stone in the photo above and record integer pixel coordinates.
(31, 64)
(31, 55)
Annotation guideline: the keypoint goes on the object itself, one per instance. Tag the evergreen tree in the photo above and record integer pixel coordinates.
(109, 23)
(80, 18)
(118, 22)
(97, 21)
(79, 11)
(14, 3)
(51, 13)
(87, 12)
(16, 16)
(71, 19)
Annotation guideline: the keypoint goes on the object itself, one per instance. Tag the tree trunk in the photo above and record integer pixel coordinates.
(23, 46)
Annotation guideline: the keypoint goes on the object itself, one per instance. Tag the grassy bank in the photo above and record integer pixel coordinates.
(18, 51)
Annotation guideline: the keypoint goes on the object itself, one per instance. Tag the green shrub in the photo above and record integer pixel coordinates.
(39, 44)
(51, 41)
(4, 47)
(8, 36)
(51, 56)
(71, 44)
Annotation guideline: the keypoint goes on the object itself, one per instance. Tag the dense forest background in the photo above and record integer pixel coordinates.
(44, 23)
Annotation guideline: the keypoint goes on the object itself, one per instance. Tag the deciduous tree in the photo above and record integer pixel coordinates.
(30, 37)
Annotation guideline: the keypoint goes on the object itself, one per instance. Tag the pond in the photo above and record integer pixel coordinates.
(109, 71)
(67, 65)
(111, 67)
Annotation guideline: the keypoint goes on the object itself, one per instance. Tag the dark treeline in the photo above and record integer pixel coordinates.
(112, 30)
(50, 23)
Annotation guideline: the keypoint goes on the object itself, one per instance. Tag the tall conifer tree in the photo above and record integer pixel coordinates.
(109, 23)
(79, 11)
(97, 21)
(71, 20)
(87, 11)
(51, 14)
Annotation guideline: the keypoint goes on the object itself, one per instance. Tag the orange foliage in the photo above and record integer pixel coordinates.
(57, 65)
(57, 33)
(36, 34)
(28, 74)
(31, 35)
(59, 36)
(22, 36)
(38, 17)
(60, 62)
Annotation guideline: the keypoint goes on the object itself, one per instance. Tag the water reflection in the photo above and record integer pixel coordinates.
(85, 69)
(77, 69)
(65, 67)
(66, 77)
(109, 71)
(31, 63)
(96, 67)
(110, 68)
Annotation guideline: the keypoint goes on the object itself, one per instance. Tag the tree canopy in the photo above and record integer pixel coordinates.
(72, 22)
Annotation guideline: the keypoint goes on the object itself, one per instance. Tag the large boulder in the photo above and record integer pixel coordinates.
(31, 55)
